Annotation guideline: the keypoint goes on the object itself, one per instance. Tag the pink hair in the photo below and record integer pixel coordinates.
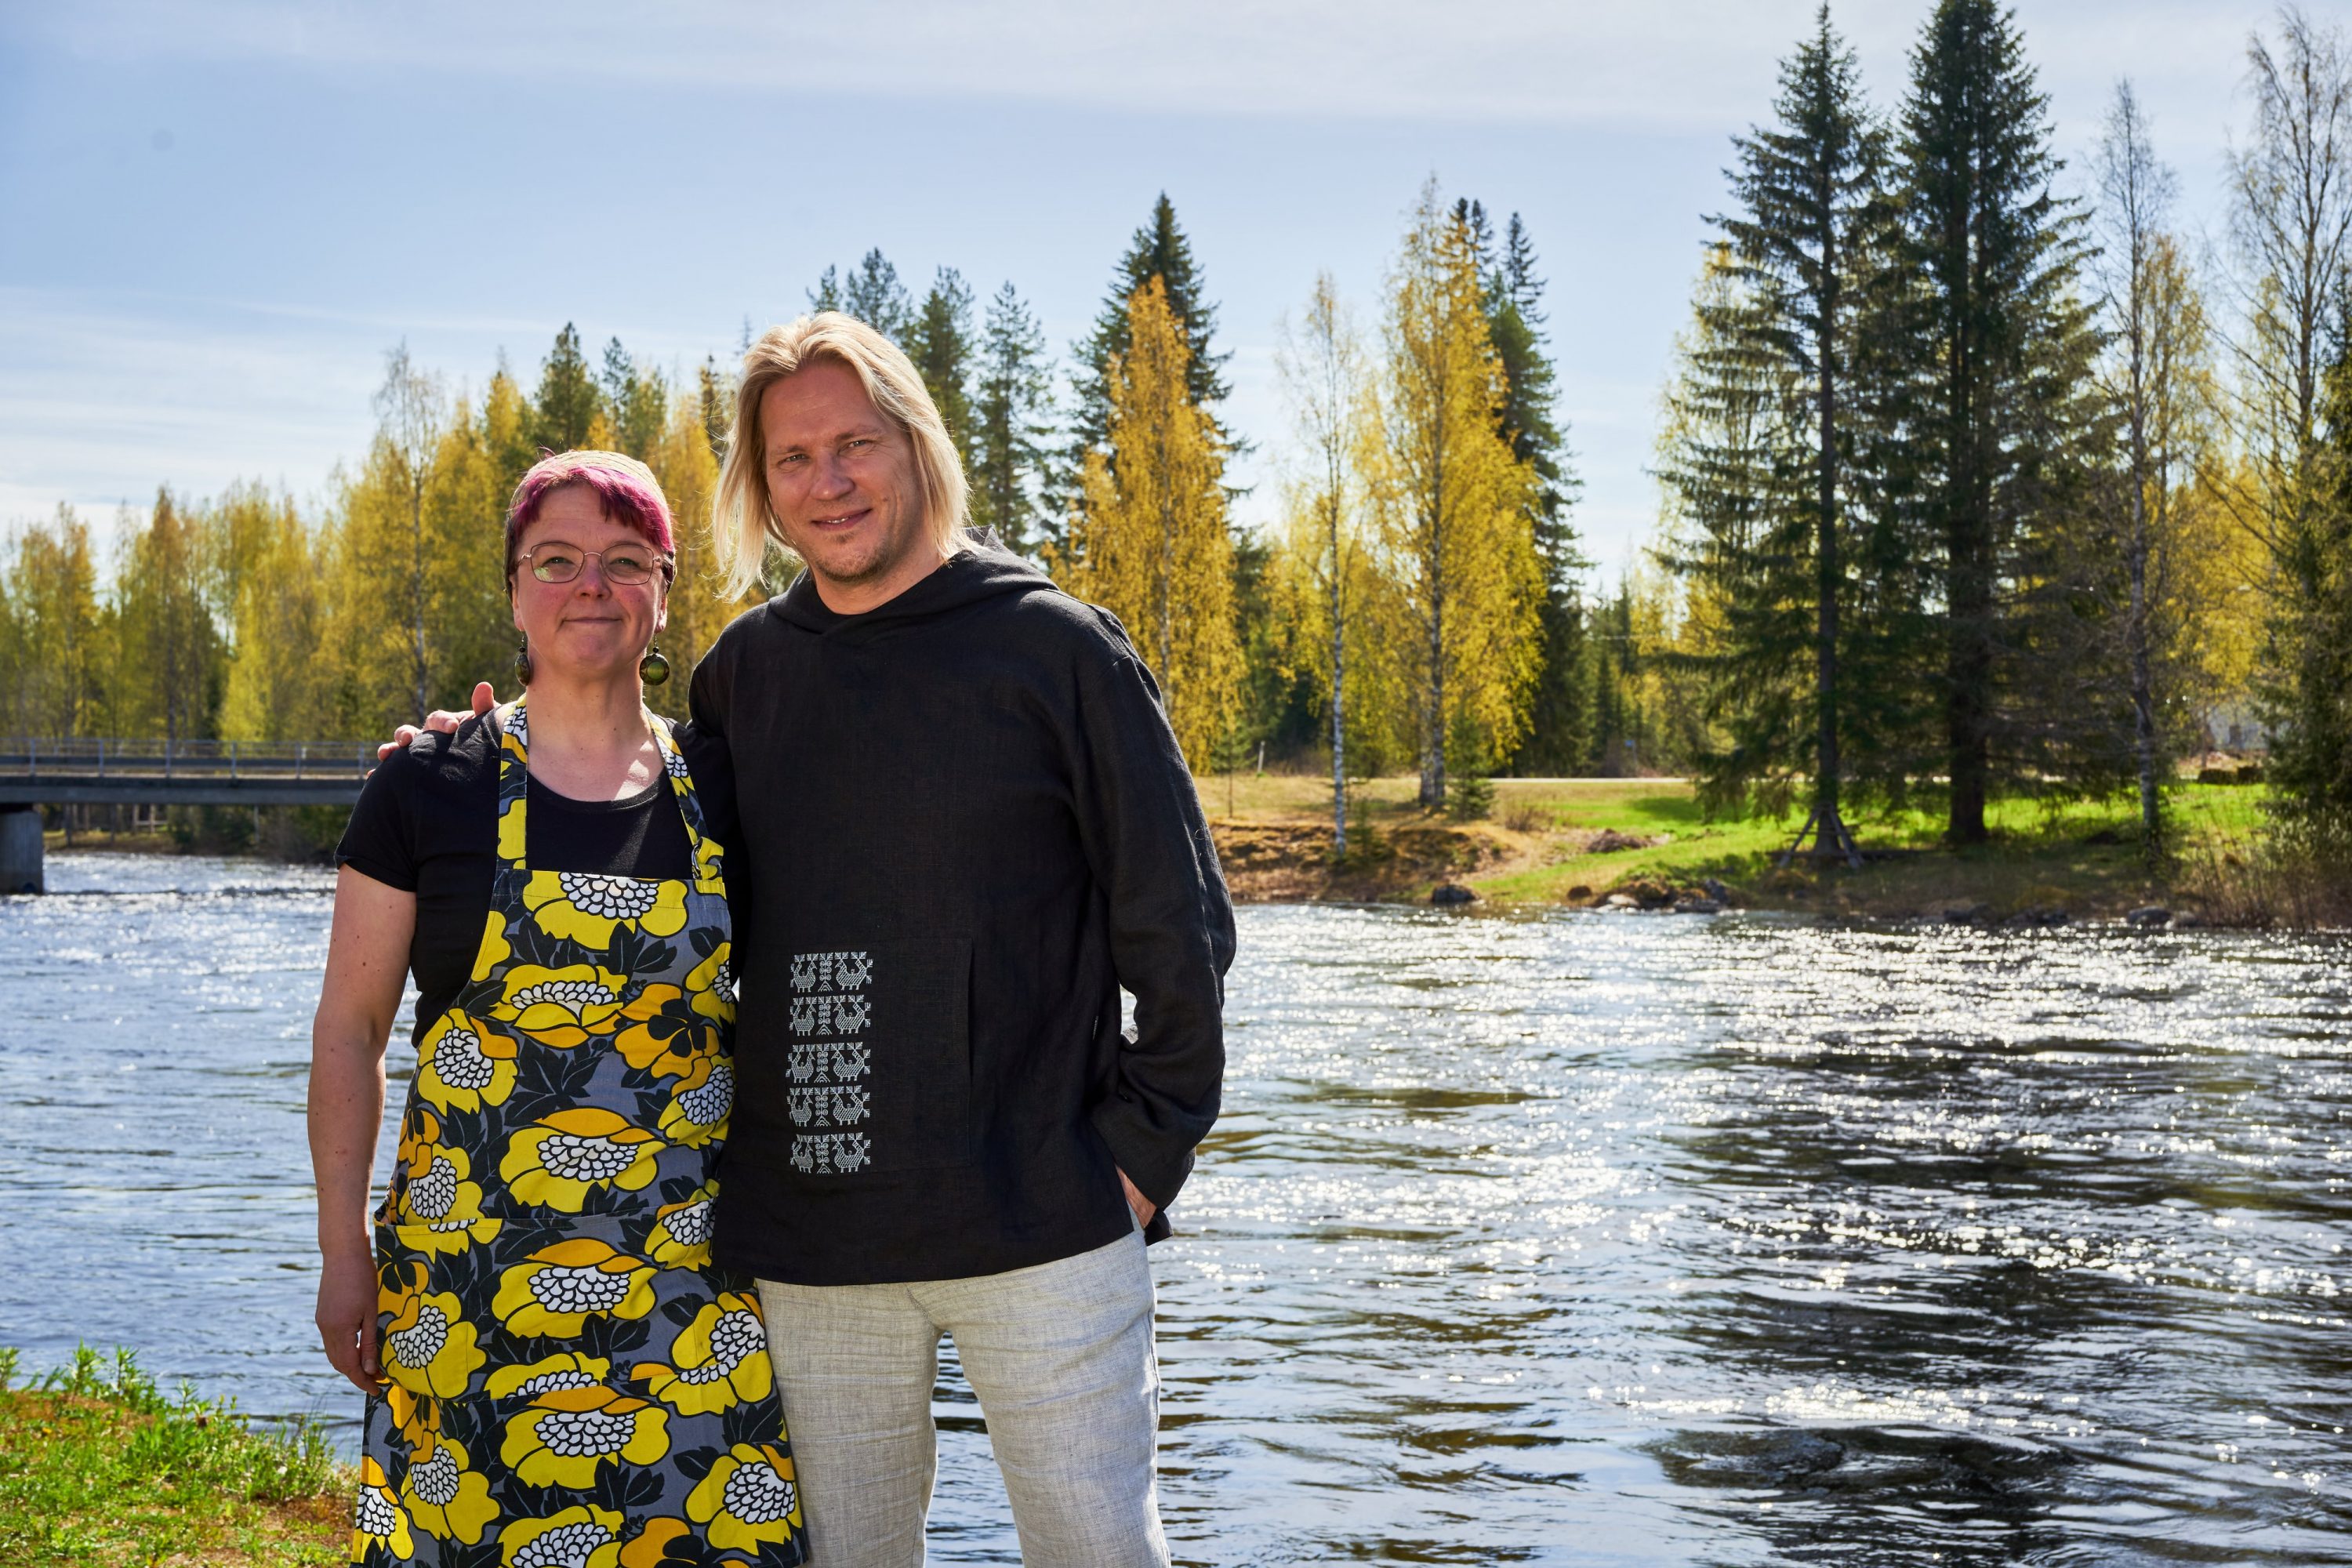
(624, 488)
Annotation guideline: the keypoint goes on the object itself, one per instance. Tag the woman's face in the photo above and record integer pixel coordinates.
(591, 626)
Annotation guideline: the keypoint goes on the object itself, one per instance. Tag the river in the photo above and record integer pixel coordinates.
(1575, 1238)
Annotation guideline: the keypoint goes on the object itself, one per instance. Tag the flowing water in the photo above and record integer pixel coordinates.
(1585, 1239)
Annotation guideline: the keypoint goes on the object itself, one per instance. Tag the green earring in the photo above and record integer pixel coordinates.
(523, 662)
(653, 669)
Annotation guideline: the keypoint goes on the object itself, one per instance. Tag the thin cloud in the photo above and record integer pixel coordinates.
(1656, 67)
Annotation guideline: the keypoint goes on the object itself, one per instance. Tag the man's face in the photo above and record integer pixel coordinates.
(841, 478)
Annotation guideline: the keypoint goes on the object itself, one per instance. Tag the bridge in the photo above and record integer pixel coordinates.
(98, 772)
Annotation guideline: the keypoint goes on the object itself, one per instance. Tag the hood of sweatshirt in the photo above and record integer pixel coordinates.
(980, 572)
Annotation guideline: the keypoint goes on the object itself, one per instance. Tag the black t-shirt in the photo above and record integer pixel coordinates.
(427, 823)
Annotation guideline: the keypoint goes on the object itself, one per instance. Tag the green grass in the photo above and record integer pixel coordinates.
(99, 1467)
(2080, 856)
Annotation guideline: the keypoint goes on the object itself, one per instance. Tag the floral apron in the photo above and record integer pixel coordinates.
(569, 1382)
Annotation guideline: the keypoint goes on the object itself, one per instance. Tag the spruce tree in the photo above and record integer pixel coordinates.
(1809, 273)
(567, 403)
(825, 296)
(637, 402)
(1010, 426)
(2310, 752)
(873, 295)
(2002, 348)
(938, 339)
(1558, 717)
(1159, 249)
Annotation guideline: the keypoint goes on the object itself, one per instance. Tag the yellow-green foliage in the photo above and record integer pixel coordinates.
(1453, 503)
(1328, 593)
(1150, 540)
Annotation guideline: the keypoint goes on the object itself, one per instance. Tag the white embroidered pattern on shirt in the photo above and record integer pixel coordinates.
(828, 1073)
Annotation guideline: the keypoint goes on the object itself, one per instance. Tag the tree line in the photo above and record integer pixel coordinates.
(1971, 487)
(1977, 478)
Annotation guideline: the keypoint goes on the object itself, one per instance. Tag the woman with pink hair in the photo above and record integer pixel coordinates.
(556, 1371)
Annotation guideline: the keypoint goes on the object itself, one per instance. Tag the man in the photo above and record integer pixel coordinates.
(964, 827)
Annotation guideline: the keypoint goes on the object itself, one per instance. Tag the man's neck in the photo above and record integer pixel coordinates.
(858, 596)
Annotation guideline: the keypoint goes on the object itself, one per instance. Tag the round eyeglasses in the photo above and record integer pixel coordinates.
(553, 560)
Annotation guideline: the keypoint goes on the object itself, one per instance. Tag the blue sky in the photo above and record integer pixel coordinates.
(220, 215)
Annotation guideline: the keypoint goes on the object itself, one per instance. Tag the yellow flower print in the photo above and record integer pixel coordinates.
(566, 1369)
(463, 1064)
(412, 1418)
(495, 949)
(439, 1205)
(377, 1519)
(559, 1159)
(720, 1359)
(420, 1133)
(560, 1287)
(698, 1110)
(712, 986)
(562, 1438)
(429, 1345)
(510, 834)
(651, 1547)
(559, 1007)
(747, 1499)
(662, 1037)
(444, 1496)
(681, 1233)
(581, 1536)
(709, 865)
(585, 909)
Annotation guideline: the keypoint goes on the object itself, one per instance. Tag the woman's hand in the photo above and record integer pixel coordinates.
(347, 1308)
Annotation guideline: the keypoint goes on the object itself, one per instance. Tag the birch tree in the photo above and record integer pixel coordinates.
(1325, 554)
(1453, 505)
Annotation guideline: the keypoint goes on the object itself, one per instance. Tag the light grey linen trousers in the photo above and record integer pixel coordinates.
(1062, 1358)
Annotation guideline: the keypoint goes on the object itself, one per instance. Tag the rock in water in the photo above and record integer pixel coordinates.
(1452, 893)
(2151, 915)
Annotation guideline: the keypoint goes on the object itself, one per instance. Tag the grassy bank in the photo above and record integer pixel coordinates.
(99, 1467)
(1580, 841)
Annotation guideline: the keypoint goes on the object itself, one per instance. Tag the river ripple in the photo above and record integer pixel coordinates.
(1596, 1239)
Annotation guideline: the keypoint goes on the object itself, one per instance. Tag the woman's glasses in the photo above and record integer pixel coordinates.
(627, 564)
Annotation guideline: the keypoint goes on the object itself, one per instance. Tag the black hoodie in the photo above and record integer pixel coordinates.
(964, 827)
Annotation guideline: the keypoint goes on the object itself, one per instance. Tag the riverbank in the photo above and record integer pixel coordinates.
(99, 1467)
(1592, 842)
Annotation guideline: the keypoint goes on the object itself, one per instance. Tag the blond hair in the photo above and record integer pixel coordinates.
(742, 523)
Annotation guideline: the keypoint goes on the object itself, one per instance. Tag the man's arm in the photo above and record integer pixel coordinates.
(1172, 925)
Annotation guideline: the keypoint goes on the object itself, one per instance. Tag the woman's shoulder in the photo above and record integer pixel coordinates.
(437, 761)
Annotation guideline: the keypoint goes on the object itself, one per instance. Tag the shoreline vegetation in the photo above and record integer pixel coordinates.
(1647, 844)
(98, 1466)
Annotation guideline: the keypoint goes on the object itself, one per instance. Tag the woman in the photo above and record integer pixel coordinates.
(556, 1374)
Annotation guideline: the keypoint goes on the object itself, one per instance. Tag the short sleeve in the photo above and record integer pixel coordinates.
(380, 841)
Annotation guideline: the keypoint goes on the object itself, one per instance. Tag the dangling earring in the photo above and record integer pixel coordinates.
(523, 662)
(653, 669)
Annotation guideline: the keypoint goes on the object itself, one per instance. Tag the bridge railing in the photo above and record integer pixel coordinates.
(85, 757)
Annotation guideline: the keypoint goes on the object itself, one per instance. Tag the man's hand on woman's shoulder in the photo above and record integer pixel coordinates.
(440, 721)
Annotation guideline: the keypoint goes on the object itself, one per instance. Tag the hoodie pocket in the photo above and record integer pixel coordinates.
(880, 1073)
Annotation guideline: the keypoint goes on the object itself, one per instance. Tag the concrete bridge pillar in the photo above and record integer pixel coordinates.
(20, 850)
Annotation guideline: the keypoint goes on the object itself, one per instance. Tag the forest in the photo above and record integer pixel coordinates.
(1981, 475)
